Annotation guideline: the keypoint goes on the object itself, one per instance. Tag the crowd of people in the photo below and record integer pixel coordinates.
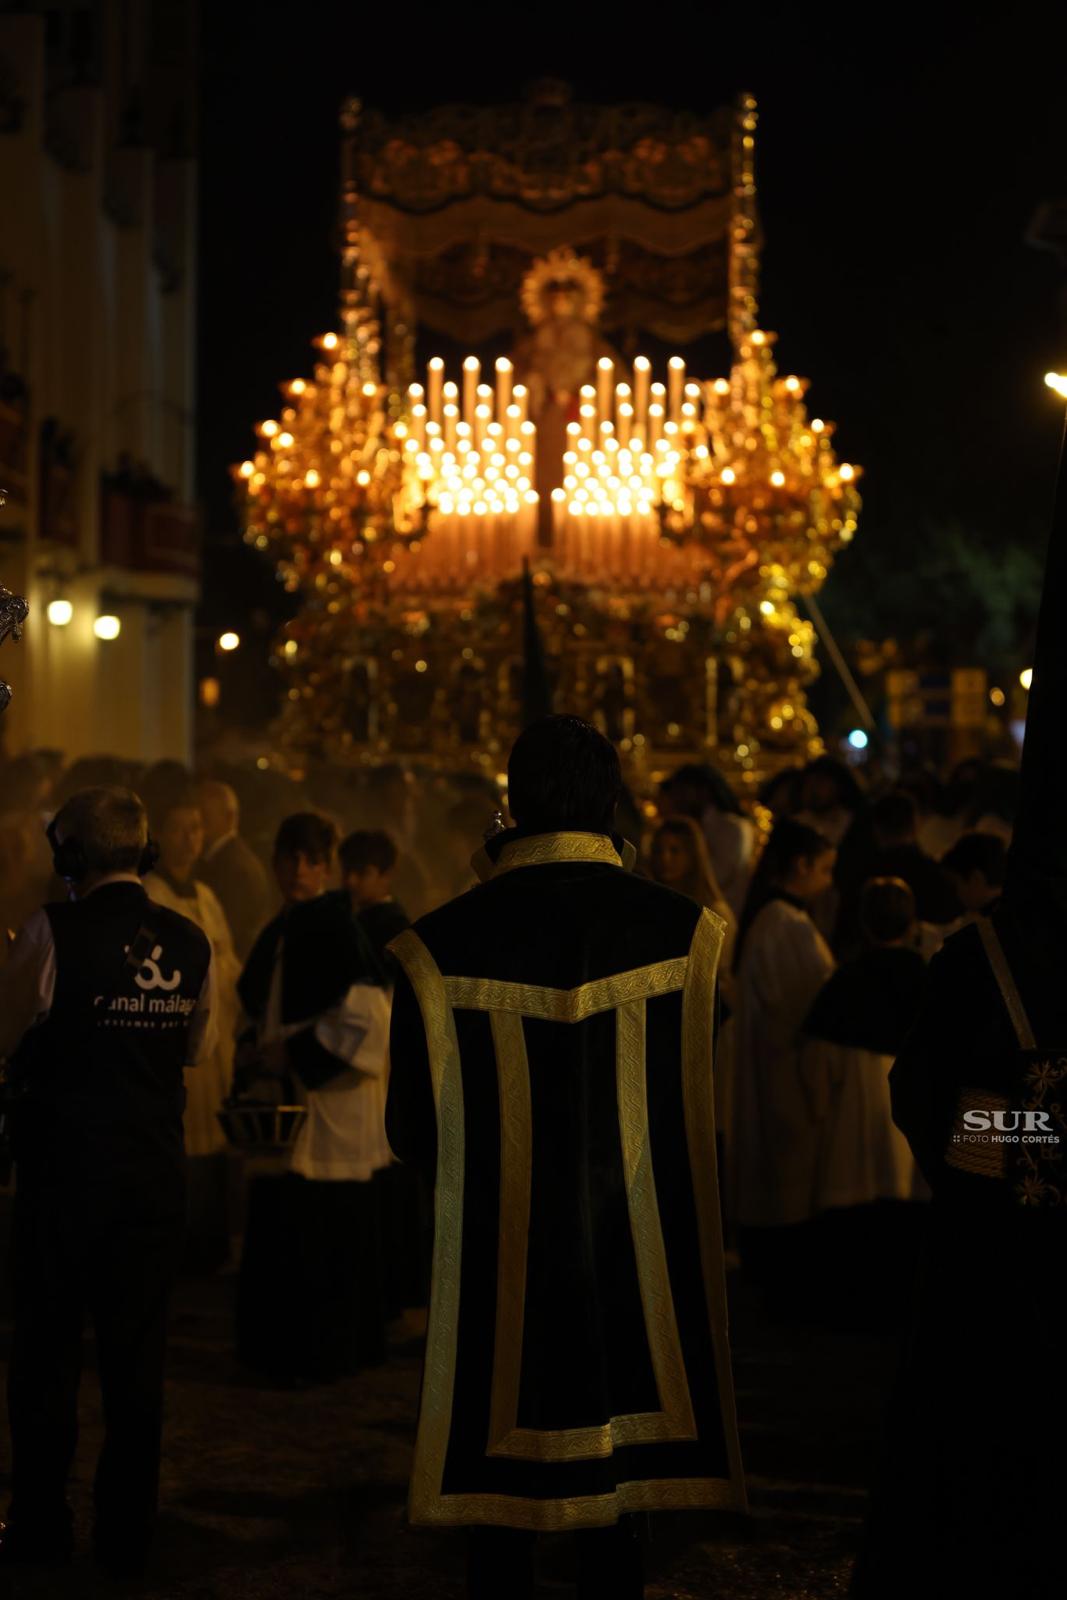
(830, 901)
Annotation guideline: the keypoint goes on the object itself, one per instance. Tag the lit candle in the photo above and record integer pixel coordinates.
(528, 436)
(626, 417)
(436, 378)
(471, 371)
(655, 424)
(559, 526)
(676, 383)
(418, 423)
(451, 418)
(503, 385)
(642, 379)
(520, 396)
(605, 387)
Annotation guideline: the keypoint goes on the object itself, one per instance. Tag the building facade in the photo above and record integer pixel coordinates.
(97, 378)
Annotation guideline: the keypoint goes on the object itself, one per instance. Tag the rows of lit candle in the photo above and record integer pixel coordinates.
(470, 468)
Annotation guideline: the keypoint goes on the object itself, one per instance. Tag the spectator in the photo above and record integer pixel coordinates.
(977, 864)
(104, 1001)
(829, 798)
(310, 1297)
(898, 854)
(781, 964)
(230, 869)
(368, 861)
(700, 791)
(679, 860)
(855, 1028)
(179, 833)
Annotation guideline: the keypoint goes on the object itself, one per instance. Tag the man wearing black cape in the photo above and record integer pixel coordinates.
(551, 1075)
(974, 1480)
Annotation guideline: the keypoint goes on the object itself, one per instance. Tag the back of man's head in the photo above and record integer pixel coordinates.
(978, 852)
(110, 826)
(218, 807)
(894, 818)
(563, 774)
(887, 910)
(367, 847)
(306, 833)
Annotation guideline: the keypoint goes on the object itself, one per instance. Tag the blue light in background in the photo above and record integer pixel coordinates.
(858, 739)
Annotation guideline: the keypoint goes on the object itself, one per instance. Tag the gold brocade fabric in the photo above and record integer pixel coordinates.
(542, 848)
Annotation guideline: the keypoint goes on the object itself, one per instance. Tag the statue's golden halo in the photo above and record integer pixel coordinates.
(562, 267)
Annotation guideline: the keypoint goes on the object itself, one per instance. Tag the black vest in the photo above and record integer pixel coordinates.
(102, 1075)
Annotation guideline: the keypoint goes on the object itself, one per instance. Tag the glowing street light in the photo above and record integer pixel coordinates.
(1026, 677)
(858, 739)
(107, 627)
(1057, 381)
(59, 613)
(229, 641)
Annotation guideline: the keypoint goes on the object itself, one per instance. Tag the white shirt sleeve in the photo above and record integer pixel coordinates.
(203, 1024)
(27, 982)
(356, 1030)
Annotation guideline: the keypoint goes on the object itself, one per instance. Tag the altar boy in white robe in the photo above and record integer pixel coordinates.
(782, 962)
(310, 1298)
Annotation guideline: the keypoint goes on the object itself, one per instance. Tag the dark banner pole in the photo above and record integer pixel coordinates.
(13, 613)
(1037, 865)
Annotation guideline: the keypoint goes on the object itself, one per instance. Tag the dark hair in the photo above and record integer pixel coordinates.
(306, 833)
(962, 783)
(996, 793)
(368, 847)
(790, 841)
(163, 787)
(894, 816)
(849, 789)
(887, 909)
(787, 779)
(709, 783)
(179, 798)
(978, 852)
(563, 773)
(110, 826)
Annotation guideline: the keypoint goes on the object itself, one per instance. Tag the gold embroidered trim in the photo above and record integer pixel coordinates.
(567, 1005)
(698, 1011)
(442, 1048)
(977, 1153)
(1013, 1000)
(541, 848)
(582, 1511)
(674, 1421)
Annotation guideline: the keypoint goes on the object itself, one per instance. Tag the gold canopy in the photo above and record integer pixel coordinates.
(457, 203)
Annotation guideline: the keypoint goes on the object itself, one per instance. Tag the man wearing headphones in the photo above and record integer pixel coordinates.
(104, 1002)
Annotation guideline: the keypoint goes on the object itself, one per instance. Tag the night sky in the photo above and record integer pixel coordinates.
(897, 178)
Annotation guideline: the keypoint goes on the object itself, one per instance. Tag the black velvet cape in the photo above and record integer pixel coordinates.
(551, 1070)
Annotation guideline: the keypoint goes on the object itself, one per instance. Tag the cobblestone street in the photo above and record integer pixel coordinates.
(301, 1494)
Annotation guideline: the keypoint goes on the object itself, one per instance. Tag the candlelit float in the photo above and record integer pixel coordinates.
(663, 523)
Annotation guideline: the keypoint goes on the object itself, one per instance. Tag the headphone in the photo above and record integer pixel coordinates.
(72, 864)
